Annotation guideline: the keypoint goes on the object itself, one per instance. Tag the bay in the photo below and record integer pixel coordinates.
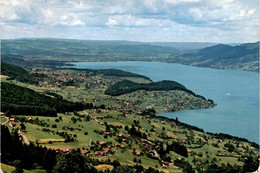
(235, 92)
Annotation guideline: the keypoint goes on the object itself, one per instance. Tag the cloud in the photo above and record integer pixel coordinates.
(143, 20)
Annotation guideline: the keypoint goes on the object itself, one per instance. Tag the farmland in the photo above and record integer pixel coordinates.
(122, 129)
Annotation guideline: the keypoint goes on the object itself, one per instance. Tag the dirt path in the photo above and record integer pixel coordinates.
(7, 119)
(25, 139)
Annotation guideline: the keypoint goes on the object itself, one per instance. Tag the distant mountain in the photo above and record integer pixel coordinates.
(213, 55)
(184, 46)
(244, 57)
(84, 49)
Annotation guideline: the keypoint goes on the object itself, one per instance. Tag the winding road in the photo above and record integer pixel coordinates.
(25, 139)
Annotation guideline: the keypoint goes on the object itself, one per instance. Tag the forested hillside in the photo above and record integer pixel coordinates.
(23, 101)
(36, 48)
(127, 86)
(244, 56)
(18, 73)
(112, 72)
(52, 52)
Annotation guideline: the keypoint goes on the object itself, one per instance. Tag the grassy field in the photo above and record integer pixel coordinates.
(91, 126)
(204, 151)
(10, 169)
(161, 101)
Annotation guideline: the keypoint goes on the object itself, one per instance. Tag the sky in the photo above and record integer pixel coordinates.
(222, 21)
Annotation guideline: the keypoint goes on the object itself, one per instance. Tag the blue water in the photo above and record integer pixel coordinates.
(235, 92)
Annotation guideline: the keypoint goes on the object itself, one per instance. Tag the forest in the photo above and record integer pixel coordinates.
(18, 73)
(112, 72)
(20, 100)
(126, 86)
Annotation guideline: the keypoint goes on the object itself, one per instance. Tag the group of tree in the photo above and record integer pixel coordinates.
(126, 86)
(112, 72)
(20, 100)
(177, 148)
(14, 152)
(18, 73)
(135, 132)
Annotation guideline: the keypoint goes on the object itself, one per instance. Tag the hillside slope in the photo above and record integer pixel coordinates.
(18, 73)
(20, 100)
(244, 57)
(83, 49)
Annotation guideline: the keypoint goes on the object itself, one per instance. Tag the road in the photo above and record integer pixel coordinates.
(25, 139)
(7, 119)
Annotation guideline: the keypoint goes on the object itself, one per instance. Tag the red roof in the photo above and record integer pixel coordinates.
(106, 150)
(118, 145)
(101, 142)
(84, 152)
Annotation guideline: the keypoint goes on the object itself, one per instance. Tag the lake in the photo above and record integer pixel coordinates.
(234, 91)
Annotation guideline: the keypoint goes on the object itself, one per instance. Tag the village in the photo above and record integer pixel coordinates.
(111, 135)
(79, 86)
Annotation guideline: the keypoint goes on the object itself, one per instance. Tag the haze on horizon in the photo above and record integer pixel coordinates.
(222, 21)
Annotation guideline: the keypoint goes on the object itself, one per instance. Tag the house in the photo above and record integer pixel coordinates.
(30, 119)
(106, 151)
(176, 167)
(172, 123)
(64, 150)
(60, 132)
(13, 124)
(189, 151)
(102, 143)
(153, 130)
(118, 145)
(138, 153)
(12, 119)
(84, 152)
(165, 163)
(78, 129)
(219, 154)
(121, 134)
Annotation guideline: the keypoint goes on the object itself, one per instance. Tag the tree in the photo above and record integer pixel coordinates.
(72, 162)
(18, 166)
(8, 113)
(135, 160)
(250, 164)
(75, 113)
(22, 126)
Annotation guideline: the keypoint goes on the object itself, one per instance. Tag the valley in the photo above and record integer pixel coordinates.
(118, 130)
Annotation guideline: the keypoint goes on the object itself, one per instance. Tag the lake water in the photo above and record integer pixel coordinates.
(235, 92)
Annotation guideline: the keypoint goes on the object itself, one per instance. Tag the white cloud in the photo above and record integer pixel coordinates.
(128, 20)
(227, 20)
(77, 22)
